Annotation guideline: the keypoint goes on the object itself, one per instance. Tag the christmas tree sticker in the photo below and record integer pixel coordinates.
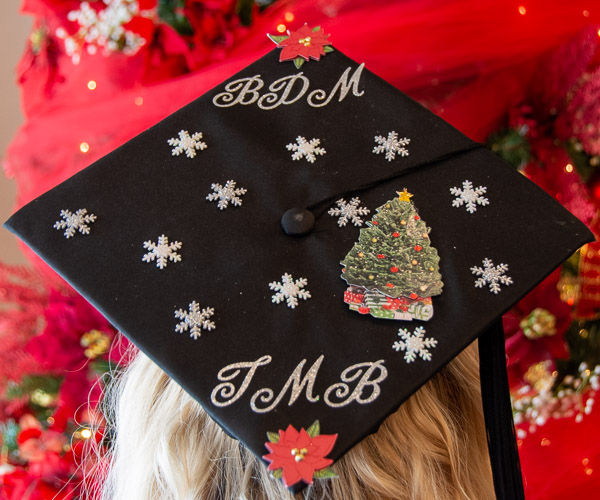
(393, 271)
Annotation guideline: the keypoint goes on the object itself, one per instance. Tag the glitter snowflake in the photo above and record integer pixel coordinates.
(469, 197)
(414, 344)
(491, 275)
(73, 222)
(187, 143)
(306, 149)
(194, 319)
(391, 146)
(289, 290)
(348, 211)
(162, 252)
(226, 195)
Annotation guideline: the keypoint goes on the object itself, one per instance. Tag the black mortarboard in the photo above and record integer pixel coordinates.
(304, 244)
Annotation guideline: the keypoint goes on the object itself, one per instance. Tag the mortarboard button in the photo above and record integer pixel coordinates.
(297, 221)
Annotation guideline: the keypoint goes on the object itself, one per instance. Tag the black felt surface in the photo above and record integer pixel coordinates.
(229, 257)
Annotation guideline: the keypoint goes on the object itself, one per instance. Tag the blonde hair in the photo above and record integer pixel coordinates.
(167, 448)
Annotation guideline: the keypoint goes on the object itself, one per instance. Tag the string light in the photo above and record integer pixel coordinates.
(289, 17)
(139, 101)
(545, 442)
(91, 85)
(586, 13)
(585, 462)
(84, 147)
(522, 10)
(589, 471)
(569, 168)
(281, 28)
(86, 434)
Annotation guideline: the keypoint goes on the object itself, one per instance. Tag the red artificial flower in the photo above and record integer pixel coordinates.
(68, 319)
(523, 351)
(299, 454)
(216, 26)
(167, 56)
(307, 43)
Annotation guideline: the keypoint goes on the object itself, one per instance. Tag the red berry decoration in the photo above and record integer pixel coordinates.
(394, 269)
(396, 235)
(413, 295)
(380, 256)
(389, 285)
(376, 223)
(417, 217)
(418, 248)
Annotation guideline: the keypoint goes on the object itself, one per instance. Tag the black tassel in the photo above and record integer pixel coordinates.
(502, 442)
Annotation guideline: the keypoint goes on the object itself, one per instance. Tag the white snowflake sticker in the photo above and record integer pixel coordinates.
(226, 194)
(469, 197)
(289, 290)
(391, 146)
(491, 275)
(306, 149)
(162, 252)
(186, 143)
(73, 222)
(348, 211)
(414, 344)
(194, 320)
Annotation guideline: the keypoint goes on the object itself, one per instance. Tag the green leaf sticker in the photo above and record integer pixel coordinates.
(327, 472)
(316, 28)
(327, 49)
(273, 437)
(298, 62)
(314, 429)
(278, 38)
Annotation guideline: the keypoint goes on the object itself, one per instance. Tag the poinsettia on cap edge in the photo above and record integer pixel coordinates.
(302, 45)
(296, 456)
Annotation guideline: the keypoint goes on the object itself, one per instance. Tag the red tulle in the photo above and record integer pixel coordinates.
(561, 460)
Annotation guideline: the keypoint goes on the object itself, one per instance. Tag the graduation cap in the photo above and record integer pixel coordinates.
(301, 248)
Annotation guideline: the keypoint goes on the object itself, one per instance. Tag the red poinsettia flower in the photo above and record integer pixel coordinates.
(524, 349)
(68, 319)
(307, 43)
(299, 454)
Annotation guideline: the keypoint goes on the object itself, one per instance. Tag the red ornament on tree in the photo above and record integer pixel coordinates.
(394, 269)
(418, 248)
(396, 235)
(380, 256)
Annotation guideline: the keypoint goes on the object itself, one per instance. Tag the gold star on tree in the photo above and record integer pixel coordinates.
(404, 195)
